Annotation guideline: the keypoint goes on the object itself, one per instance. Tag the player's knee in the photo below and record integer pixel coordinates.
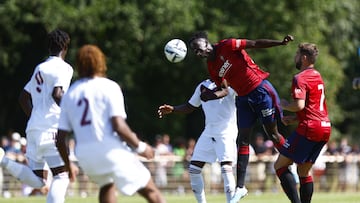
(194, 170)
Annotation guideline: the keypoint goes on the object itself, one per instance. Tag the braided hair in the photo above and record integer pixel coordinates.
(58, 41)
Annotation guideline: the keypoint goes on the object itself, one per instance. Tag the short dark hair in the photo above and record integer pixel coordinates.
(309, 50)
(197, 35)
(58, 41)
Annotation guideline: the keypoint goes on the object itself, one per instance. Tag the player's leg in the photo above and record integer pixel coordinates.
(151, 193)
(204, 152)
(107, 193)
(306, 182)
(269, 110)
(21, 171)
(246, 119)
(197, 181)
(286, 178)
(272, 132)
(59, 184)
(225, 147)
(60, 180)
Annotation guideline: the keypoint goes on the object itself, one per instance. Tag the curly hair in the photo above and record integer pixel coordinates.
(58, 41)
(90, 61)
(309, 50)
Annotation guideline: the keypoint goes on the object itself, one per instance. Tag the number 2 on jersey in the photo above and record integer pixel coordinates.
(84, 119)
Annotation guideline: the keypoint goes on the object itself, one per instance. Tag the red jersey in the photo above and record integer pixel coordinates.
(313, 119)
(235, 65)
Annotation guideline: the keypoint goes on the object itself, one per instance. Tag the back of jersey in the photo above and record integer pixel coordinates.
(54, 72)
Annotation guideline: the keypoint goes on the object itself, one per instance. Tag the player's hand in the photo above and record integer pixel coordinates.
(224, 84)
(165, 109)
(287, 39)
(149, 152)
(73, 172)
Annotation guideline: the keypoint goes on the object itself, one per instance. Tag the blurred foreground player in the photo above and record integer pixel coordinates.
(94, 110)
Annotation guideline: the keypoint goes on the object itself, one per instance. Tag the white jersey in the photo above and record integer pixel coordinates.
(54, 72)
(87, 109)
(220, 114)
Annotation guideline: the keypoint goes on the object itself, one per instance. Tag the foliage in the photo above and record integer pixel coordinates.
(132, 35)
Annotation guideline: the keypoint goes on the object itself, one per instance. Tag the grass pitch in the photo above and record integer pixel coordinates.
(219, 198)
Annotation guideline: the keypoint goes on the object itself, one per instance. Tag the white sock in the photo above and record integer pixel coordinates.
(58, 188)
(23, 173)
(229, 181)
(197, 183)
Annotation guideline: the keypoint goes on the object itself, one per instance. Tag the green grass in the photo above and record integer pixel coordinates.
(220, 198)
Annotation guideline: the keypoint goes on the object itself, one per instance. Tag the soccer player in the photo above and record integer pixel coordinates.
(40, 100)
(257, 98)
(217, 142)
(313, 131)
(93, 109)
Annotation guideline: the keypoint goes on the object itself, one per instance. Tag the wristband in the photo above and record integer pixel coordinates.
(141, 147)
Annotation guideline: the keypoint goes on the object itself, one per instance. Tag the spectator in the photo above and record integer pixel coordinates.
(161, 150)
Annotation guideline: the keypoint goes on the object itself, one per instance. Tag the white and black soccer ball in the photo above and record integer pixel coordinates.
(175, 50)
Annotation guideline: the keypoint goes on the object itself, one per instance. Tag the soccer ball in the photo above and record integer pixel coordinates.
(175, 50)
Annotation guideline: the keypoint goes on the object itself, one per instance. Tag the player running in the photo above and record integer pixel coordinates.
(40, 100)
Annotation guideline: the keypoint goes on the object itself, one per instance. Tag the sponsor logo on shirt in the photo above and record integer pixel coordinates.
(267, 112)
(224, 68)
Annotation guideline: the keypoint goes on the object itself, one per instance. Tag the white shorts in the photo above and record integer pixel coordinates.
(210, 149)
(105, 165)
(41, 149)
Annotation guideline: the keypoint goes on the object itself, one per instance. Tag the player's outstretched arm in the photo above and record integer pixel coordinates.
(266, 43)
(168, 109)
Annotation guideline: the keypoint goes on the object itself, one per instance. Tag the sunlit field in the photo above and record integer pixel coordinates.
(188, 198)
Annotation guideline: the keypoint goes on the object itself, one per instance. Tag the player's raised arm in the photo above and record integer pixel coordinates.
(265, 43)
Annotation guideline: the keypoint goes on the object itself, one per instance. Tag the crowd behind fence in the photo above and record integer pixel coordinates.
(336, 170)
(341, 174)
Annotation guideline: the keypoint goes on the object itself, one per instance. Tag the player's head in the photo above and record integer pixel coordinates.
(90, 62)
(200, 44)
(58, 42)
(306, 55)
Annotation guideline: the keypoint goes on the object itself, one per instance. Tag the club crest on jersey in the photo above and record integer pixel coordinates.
(224, 68)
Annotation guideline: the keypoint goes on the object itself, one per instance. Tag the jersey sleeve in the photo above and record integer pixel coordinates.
(116, 101)
(195, 99)
(298, 89)
(238, 44)
(63, 78)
